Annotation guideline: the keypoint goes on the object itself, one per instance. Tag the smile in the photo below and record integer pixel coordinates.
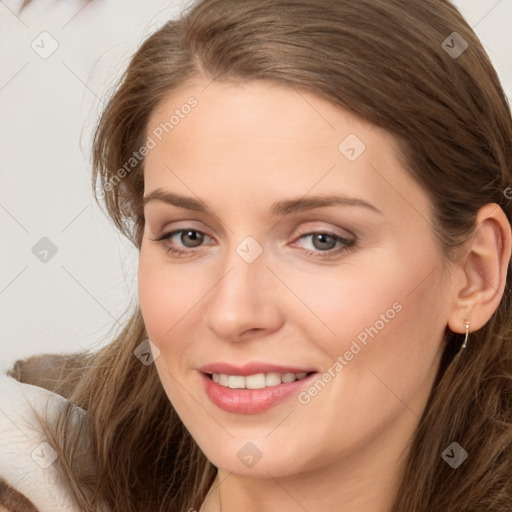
(256, 381)
(253, 388)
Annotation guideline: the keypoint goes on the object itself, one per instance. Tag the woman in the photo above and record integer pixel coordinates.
(320, 194)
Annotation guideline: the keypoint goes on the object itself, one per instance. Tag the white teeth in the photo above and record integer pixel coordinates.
(223, 379)
(288, 377)
(272, 379)
(256, 381)
(236, 381)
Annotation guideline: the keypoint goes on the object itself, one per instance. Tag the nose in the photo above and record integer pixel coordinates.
(244, 301)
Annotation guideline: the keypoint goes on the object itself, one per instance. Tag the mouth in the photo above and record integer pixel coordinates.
(254, 388)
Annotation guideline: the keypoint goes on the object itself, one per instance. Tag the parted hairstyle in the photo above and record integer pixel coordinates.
(384, 61)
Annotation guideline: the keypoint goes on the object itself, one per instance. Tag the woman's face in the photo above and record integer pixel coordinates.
(295, 244)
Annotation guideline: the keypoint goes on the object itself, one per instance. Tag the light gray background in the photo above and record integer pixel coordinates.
(49, 107)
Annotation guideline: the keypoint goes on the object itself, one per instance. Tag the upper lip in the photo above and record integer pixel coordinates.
(252, 368)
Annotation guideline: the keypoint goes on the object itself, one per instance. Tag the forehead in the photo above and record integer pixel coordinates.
(268, 140)
(274, 115)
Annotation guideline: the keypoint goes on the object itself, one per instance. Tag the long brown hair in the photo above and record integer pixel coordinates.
(385, 61)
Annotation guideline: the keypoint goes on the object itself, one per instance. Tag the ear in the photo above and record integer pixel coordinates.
(482, 270)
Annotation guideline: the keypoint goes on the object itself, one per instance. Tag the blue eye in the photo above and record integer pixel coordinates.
(325, 244)
(194, 236)
(321, 239)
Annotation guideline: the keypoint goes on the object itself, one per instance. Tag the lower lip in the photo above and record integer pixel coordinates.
(251, 401)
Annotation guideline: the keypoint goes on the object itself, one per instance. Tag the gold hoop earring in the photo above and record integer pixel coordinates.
(465, 342)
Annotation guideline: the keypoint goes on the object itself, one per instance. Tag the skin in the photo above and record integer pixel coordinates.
(245, 146)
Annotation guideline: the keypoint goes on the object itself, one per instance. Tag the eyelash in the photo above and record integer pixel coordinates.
(348, 245)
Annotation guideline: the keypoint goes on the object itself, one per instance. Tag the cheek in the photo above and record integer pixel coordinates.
(166, 297)
(371, 292)
(392, 344)
(387, 316)
(382, 352)
(338, 304)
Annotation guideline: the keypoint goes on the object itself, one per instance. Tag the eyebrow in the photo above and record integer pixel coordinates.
(278, 208)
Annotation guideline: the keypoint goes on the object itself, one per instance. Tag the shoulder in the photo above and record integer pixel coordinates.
(27, 461)
(55, 372)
